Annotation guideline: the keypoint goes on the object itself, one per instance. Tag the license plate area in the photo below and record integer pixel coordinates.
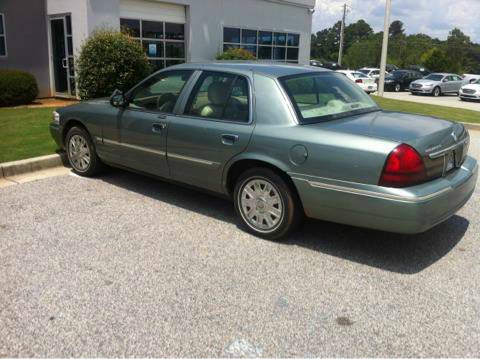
(449, 161)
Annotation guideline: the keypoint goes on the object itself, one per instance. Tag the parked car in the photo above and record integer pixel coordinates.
(470, 91)
(332, 66)
(400, 80)
(366, 83)
(316, 63)
(391, 68)
(437, 84)
(470, 78)
(419, 68)
(281, 142)
(372, 72)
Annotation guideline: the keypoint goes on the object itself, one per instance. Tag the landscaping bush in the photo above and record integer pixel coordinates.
(236, 54)
(109, 60)
(17, 88)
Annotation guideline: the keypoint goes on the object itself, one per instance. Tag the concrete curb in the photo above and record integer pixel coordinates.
(15, 168)
(471, 126)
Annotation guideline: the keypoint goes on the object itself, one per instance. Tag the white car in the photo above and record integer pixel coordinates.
(470, 91)
(372, 72)
(367, 83)
(470, 78)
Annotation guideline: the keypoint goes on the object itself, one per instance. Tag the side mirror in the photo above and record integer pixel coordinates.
(445, 80)
(117, 99)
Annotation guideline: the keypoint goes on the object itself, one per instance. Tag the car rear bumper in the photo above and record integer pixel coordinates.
(402, 210)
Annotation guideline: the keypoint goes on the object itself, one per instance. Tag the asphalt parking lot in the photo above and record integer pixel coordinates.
(445, 100)
(125, 265)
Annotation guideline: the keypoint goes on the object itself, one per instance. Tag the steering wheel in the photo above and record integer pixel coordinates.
(166, 98)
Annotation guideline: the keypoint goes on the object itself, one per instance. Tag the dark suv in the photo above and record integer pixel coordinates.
(400, 80)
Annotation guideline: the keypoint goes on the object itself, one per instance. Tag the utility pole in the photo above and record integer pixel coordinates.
(386, 33)
(342, 34)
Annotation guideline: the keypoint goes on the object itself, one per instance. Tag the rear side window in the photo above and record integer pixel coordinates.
(220, 96)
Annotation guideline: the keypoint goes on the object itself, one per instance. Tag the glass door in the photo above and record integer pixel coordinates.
(62, 56)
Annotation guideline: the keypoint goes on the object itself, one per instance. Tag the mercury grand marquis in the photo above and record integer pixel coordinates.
(282, 142)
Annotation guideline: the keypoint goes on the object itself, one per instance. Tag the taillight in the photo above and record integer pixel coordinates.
(404, 167)
(359, 81)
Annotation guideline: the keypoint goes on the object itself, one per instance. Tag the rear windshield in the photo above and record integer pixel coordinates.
(321, 97)
(366, 72)
(359, 75)
(434, 77)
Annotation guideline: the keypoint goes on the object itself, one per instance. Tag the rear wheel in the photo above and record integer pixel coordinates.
(81, 153)
(266, 204)
(437, 92)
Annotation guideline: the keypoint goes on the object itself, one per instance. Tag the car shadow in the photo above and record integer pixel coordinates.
(405, 254)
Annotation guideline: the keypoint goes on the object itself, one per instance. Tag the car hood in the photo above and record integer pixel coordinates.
(421, 132)
(423, 82)
(471, 87)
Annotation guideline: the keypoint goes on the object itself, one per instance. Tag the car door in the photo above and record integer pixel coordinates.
(143, 123)
(216, 125)
(457, 83)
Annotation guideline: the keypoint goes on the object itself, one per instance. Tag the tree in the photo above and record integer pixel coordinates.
(110, 60)
(457, 47)
(436, 60)
(364, 53)
(396, 28)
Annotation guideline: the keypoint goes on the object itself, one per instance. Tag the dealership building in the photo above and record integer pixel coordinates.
(44, 37)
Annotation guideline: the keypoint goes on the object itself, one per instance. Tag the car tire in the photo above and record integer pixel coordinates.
(398, 88)
(81, 153)
(437, 92)
(276, 213)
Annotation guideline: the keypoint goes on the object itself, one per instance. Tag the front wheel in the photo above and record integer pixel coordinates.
(81, 153)
(398, 88)
(437, 92)
(266, 204)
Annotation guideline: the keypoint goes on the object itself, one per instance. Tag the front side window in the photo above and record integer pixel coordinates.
(325, 96)
(163, 42)
(160, 92)
(220, 96)
(3, 40)
(262, 44)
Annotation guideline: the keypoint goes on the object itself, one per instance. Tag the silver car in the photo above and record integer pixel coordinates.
(437, 84)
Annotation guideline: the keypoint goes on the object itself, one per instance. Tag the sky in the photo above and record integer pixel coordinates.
(432, 17)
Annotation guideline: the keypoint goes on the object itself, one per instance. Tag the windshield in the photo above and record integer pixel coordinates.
(324, 96)
(477, 82)
(434, 77)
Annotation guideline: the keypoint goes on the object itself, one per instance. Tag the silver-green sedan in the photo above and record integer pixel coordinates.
(282, 142)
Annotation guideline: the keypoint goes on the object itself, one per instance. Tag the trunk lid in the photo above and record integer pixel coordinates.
(434, 139)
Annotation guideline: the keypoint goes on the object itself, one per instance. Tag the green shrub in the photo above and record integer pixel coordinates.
(17, 88)
(109, 60)
(236, 54)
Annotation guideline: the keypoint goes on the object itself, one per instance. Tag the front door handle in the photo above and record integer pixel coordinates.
(229, 139)
(158, 127)
(65, 63)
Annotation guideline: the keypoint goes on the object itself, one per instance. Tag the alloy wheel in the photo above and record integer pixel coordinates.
(79, 153)
(261, 205)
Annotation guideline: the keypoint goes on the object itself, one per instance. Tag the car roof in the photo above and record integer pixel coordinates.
(267, 69)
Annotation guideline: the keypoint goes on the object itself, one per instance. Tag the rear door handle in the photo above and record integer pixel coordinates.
(158, 127)
(229, 139)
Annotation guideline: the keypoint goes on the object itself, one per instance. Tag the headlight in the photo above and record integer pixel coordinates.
(56, 117)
